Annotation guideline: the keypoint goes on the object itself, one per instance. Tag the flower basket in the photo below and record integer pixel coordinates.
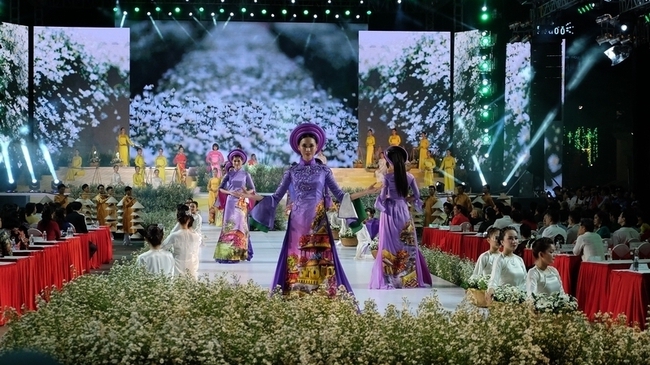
(374, 254)
(335, 234)
(477, 297)
(349, 241)
(358, 165)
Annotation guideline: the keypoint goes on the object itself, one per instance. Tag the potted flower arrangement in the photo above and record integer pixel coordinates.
(357, 164)
(335, 231)
(348, 239)
(476, 287)
(556, 303)
(509, 294)
(374, 247)
(94, 157)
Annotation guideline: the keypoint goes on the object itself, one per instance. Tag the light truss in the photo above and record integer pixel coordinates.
(630, 5)
(553, 6)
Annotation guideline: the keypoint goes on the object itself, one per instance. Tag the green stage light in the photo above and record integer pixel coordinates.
(116, 10)
(158, 8)
(137, 10)
(201, 10)
(485, 90)
(243, 10)
(327, 11)
(485, 17)
(178, 10)
(306, 12)
(347, 12)
(368, 12)
(264, 11)
(221, 11)
(485, 66)
(486, 41)
(646, 18)
(284, 11)
(485, 114)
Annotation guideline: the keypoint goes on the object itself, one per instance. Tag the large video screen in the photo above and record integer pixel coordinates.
(405, 84)
(14, 80)
(517, 122)
(469, 128)
(81, 88)
(244, 85)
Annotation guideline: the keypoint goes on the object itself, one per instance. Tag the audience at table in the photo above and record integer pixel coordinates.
(589, 245)
(459, 215)
(543, 278)
(572, 227)
(553, 229)
(49, 225)
(627, 219)
(486, 259)
(505, 220)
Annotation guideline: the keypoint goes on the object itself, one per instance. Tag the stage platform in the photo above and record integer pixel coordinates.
(354, 178)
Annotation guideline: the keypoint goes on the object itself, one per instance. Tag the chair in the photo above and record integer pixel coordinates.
(621, 252)
(558, 240)
(466, 227)
(633, 243)
(34, 232)
(644, 250)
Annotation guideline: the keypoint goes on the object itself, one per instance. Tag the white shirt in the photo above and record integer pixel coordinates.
(184, 245)
(508, 270)
(503, 222)
(116, 179)
(623, 235)
(196, 225)
(157, 261)
(156, 182)
(553, 230)
(484, 263)
(589, 244)
(543, 281)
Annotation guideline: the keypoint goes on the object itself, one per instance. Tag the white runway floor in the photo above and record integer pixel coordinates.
(267, 249)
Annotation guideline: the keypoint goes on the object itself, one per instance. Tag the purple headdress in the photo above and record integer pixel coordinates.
(395, 149)
(307, 128)
(227, 166)
(237, 153)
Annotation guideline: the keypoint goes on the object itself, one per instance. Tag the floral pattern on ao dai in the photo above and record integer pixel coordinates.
(308, 261)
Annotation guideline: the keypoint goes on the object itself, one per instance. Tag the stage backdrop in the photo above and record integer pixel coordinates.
(14, 77)
(405, 84)
(517, 122)
(243, 84)
(81, 88)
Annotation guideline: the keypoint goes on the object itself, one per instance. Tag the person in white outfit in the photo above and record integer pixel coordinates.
(184, 245)
(551, 219)
(508, 268)
(156, 260)
(589, 244)
(543, 278)
(486, 259)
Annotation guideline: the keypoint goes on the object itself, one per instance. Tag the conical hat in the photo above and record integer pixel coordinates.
(137, 205)
(111, 200)
(46, 200)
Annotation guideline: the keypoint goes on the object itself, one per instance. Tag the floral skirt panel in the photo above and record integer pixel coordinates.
(308, 261)
(233, 242)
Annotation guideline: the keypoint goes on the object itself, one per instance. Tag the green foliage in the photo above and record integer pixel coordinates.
(448, 267)
(265, 178)
(280, 221)
(202, 178)
(166, 218)
(163, 199)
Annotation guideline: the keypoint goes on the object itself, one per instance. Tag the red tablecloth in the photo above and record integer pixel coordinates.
(435, 238)
(592, 291)
(529, 260)
(569, 268)
(629, 294)
(26, 283)
(473, 247)
(9, 295)
(453, 242)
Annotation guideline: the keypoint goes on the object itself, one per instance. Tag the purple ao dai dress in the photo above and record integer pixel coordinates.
(399, 262)
(234, 241)
(308, 261)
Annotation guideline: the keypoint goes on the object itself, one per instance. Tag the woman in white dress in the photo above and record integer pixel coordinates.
(184, 245)
(156, 260)
(382, 168)
(543, 278)
(486, 259)
(508, 268)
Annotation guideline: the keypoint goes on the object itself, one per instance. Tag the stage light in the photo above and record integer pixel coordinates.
(618, 53)
(55, 184)
(586, 8)
(124, 12)
(264, 11)
(336, 16)
(284, 11)
(221, 11)
(158, 8)
(190, 14)
(368, 12)
(170, 13)
(294, 15)
(504, 183)
(177, 10)
(201, 10)
(148, 13)
(358, 16)
(485, 65)
(243, 10)
(232, 14)
(28, 159)
(624, 27)
(486, 130)
(347, 12)
(212, 14)
(306, 12)
(646, 18)
(478, 168)
(315, 16)
(272, 15)
(484, 14)
(4, 144)
(327, 11)
(137, 10)
(34, 186)
(485, 90)
(486, 155)
(48, 160)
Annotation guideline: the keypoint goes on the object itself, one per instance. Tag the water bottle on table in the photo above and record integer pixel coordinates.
(635, 263)
(609, 254)
(70, 233)
(44, 235)
(31, 239)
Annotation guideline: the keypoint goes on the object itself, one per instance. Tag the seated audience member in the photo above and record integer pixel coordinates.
(460, 215)
(486, 259)
(505, 220)
(552, 228)
(156, 260)
(627, 220)
(48, 225)
(31, 215)
(59, 217)
(75, 218)
(508, 268)
(524, 240)
(589, 244)
(6, 245)
(476, 216)
(601, 224)
(543, 278)
(447, 215)
(516, 216)
(573, 227)
(490, 217)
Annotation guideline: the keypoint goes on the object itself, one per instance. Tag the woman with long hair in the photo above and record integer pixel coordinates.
(308, 262)
(233, 245)
(49, 225)
(184, 246)
(399, 263)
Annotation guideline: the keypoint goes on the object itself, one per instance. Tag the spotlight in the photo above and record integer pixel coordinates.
(526, 38)
(212, 14)
(170, 13)
(55, 184)
(148, 13)
(504, 183)
(34, 186)
(604, 38)
(486, 155)
(618, 53)
(514, 39)
(440, 187)
(624, 27)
